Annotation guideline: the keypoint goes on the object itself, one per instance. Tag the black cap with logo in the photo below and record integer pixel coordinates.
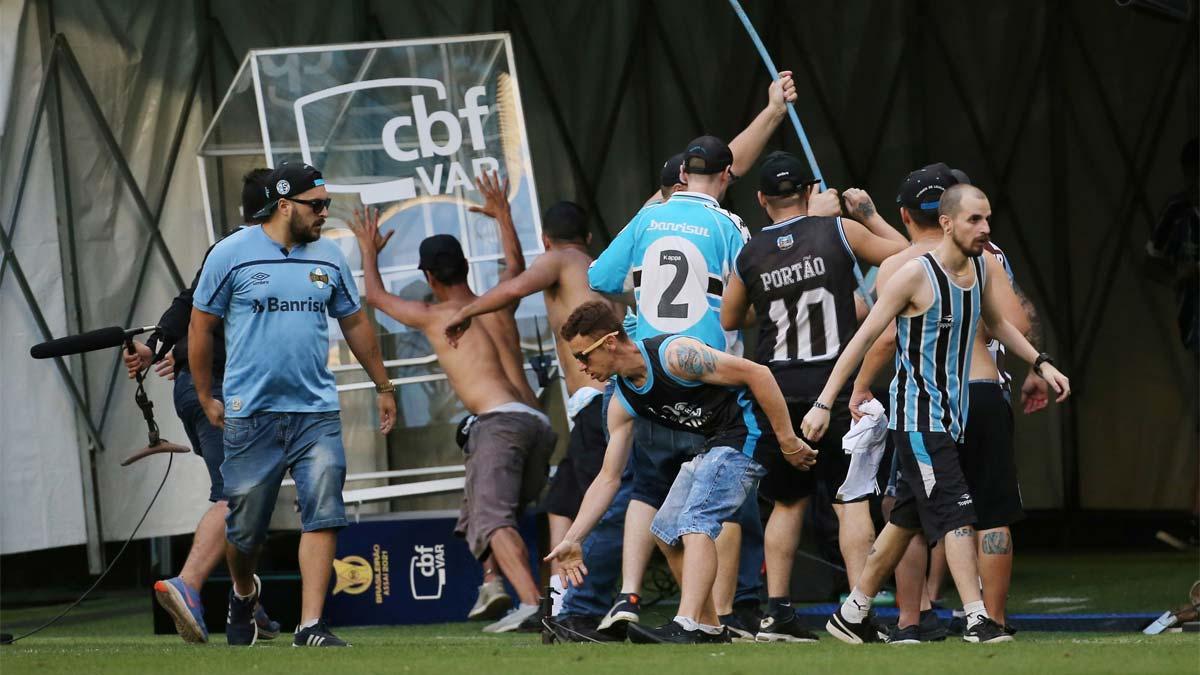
(286, 180)
(670, 171)
(783, 173)
(707, 155)
(922, 189)
(441, 252)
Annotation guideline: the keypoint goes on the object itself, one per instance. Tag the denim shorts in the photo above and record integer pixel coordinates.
(709, 490)
(205, 438)
(657, 454)
(259, 449)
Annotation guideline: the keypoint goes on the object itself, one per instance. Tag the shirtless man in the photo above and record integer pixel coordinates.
(561, 273)
(510, 440)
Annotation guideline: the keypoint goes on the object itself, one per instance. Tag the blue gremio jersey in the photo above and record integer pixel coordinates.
(678, 254)
(275, 304)
(933, 355)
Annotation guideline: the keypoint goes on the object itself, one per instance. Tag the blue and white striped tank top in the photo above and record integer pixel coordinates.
(933, 355)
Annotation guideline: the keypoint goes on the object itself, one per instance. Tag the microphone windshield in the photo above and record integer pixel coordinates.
(101, 338)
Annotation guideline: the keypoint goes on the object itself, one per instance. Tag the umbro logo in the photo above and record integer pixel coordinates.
(259, 279)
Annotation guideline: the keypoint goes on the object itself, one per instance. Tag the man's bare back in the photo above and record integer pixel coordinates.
(477, 368)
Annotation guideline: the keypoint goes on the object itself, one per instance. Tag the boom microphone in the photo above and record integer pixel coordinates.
(101, 338)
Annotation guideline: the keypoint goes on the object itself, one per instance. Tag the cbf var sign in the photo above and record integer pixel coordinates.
(392, 122)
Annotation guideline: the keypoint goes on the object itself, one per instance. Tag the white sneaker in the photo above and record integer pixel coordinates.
(513, 620)
(492, 601)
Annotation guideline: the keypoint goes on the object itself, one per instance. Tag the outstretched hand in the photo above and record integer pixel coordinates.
(365, 226)
(569, 555)
(495, 195)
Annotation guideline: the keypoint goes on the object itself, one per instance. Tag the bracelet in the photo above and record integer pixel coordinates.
(821, 406)
(794, 452)
(385, 388)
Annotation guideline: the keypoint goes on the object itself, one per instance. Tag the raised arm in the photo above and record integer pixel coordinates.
(690, 359)
(894, 296)
(860, 207)
(748, 145)
(542, 274)
(600, 493)
(496, 206)
(868, 246)
(413, 313)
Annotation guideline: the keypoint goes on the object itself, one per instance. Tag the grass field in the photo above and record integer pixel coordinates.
(111, 634)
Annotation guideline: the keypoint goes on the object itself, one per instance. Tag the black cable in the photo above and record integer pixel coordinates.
(170, 461)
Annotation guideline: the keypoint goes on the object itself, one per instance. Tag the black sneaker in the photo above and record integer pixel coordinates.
(852, 633)
(986, 631)
(578, 629)
(668, 633)
(723, 638)
(739, 631)
(909, 635)
(749, 613)
(317, 635)
(240, 628)
(783, 629)
(931, 627)
(1010, 629)
(267, 629)
(627, 610)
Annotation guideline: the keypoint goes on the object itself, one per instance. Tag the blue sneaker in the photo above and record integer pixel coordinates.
(240, 628)
(267, 629)
(183, 604)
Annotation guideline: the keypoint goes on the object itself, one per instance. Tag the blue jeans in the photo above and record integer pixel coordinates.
(602, 550)
(205, 438)
(259, 449)
(709, 490)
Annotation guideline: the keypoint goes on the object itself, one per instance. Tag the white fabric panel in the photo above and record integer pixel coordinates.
(40, 478)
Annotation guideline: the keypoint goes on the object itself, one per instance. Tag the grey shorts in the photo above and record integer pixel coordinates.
(507, 460)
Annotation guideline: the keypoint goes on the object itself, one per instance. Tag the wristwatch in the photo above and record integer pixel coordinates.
(1042, 358)
(385, 388)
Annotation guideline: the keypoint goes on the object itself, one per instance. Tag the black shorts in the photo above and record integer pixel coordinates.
(986, 457)
(932, 494)
(786, 484)
(585, 456)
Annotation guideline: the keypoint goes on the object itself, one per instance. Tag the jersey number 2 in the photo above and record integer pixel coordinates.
(667, 307)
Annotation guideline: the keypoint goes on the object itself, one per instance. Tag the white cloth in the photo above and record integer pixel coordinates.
(580, 400)
(864, 442)
(516, 407)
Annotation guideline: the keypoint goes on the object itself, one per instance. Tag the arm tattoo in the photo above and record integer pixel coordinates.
(996, 543)
(1034, 335)
(865, 211)
(694, 362)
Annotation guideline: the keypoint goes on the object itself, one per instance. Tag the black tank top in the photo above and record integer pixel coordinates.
(725, 416)
(799, 276)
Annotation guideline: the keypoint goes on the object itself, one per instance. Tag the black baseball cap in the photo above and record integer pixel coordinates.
(707, 155)
(441, 251)
(958, 174)
(922, 189)
(670, 171)
(286, 180)
(783, 173)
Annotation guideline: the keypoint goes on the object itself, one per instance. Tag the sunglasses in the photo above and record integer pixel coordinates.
(582, 356)
(317, 205)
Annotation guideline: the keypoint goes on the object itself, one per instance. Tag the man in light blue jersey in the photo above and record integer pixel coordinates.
(677, 255)
(936, 301)
(274, 287)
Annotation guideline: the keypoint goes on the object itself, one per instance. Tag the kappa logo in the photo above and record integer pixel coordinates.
(946, 322)
(965, 499)
(784, 243)
(283, 187)
(318, 277)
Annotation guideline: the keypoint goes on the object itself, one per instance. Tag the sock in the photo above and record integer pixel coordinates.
(856, 606)
(686, 623)
(309, 624)
(239, 596)
(558, 592)
(711, 630)
(975, 612)
(780, 607)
